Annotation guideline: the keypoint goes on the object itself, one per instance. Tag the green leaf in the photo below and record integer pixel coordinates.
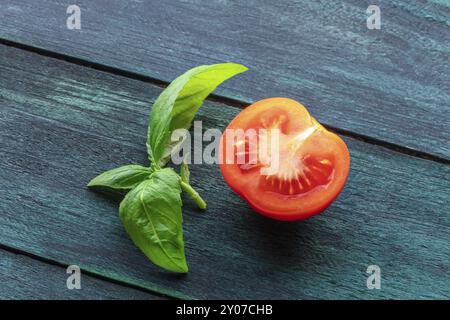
(184, 172)
(177, 105)
(123, 178)
(151, 214)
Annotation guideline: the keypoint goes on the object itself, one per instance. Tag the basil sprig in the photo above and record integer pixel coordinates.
(151, 209)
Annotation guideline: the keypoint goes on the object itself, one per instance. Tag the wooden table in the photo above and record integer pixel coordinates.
(74, 103)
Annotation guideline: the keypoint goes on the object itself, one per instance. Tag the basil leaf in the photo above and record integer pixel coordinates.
(177, 105)
(151, 214)
(184, 172)
(123, 178)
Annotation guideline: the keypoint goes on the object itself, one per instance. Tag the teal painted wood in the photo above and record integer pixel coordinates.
(392, 84)
(62, 124)
(22, 277)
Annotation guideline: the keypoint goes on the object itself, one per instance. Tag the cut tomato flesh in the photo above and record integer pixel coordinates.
(299, 177)
(305, 174)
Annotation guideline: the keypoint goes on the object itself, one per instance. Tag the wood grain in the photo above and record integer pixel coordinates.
(62, 124)
(22, 277)
(391, 84)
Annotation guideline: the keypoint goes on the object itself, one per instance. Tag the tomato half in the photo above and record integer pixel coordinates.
(311, 163)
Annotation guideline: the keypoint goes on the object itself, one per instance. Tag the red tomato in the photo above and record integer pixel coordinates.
(311, 163)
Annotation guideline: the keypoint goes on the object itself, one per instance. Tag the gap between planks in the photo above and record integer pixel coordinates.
(215, 98)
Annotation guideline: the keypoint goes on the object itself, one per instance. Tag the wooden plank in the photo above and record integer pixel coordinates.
(61, 124)
(391, 84)
(22, 277)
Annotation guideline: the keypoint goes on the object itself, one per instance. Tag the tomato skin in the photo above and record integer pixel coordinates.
(301, 195)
